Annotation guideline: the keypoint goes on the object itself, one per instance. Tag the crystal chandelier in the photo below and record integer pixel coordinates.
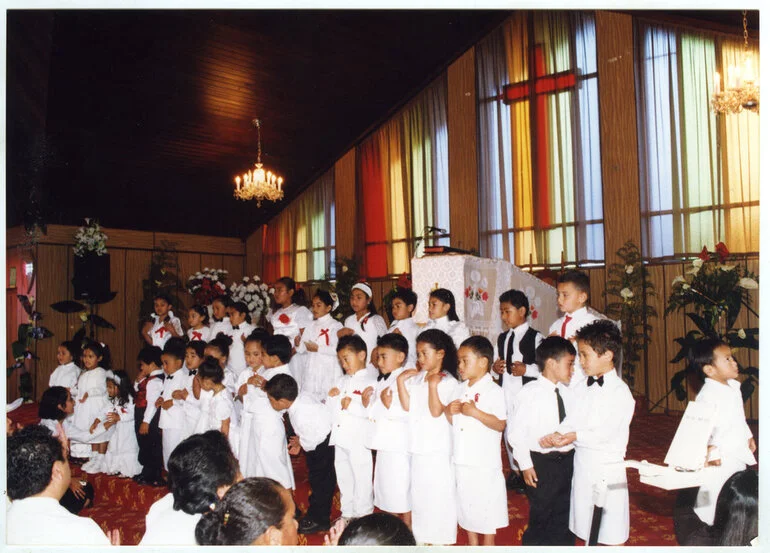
(258, 184)
(741, 90)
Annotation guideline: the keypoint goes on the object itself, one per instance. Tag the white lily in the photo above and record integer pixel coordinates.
(742, 334)
(748, 283)
(626, 293)
(629, 269)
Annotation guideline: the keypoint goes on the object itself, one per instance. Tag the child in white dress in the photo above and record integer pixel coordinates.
(478, 420)
(249, 384)
(221, 321)
(289, 316)
(364, 322)
(268, 455)
(92, 403)
(402, 308)
(217, 411)
(122, 455)
(443, 316)
(198, 320)
(731, 444)
(320, 368)
(424, 395)
(68, 372)
(219, 348)
(240, 328)
(164, 324)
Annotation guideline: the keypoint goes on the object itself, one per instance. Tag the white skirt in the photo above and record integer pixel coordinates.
(434, 504)
(392, 482)
(482, 499)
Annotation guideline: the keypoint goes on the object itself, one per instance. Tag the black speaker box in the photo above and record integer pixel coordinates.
(92, 276)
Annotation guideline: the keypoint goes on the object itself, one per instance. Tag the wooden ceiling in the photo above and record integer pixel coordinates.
(143, 118)
(148, 113)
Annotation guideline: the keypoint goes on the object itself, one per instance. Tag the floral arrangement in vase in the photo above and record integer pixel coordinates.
(714, 289)
(255, 294)
(90, 239)
(207, 285)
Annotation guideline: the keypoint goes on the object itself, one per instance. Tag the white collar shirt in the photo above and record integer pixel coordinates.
(409, 330)
(165, 526)
(536, 414)
(42, 521)
(389, 429)
(288, 321)
(202, 334)
(429, 434)
(731, 433)
(159, 334)
(369, 328)
(323, 333)
(475, 444)
(456, 329)
(222, 326)
(311, 421)
(174, 416)
(349, 426)
(67, 376)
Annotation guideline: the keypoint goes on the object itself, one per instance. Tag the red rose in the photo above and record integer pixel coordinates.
(704, 254)
(284, 318)
(534, 314)
(722, 252)
(468, 292)
(485, 296)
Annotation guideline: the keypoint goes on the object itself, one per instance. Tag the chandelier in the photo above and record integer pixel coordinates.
(258, 184)
(740, 89)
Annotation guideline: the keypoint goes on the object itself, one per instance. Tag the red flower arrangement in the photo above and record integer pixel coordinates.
(207, 286)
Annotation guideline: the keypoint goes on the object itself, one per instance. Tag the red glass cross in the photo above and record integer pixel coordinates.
(535, 90)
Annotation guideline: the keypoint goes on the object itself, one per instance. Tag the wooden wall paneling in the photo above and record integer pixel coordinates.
(51, 287)
(137, 264)
(463, 170)
(234, 264)
(189, 264)
(12, 326)
(113, 311)
(345, 204)
(212, 261)
(200, 243)
(597, 279)
(253, 253)
(15, 236)
(675, 327)
(617, 124)
(657, 360)
(752, 321)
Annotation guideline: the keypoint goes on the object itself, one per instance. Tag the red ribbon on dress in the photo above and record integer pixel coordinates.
(363, 323)
(162, 330)
(325, 334)
(357, 392)
(476, 398)
(196, 335)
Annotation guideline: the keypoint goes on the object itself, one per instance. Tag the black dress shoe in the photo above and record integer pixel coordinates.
(515, 482)
(141, 480)
(308, 526)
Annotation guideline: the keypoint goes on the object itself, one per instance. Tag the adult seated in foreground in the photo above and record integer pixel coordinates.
(735, 519)
(38, 477)
(255, 511)
(200, 470)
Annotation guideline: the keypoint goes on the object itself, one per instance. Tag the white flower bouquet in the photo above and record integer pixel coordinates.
(207, 285)
(90, 238)
(255, 294)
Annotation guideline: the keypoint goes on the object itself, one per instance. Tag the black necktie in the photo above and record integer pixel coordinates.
(599, 380)
(382, 377)
(560, 403)
(509, 354)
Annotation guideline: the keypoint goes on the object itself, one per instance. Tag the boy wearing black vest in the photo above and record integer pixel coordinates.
(148, 386)
(516, 364)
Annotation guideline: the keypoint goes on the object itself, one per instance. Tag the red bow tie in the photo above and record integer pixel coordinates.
(325, 334)
(196, 335)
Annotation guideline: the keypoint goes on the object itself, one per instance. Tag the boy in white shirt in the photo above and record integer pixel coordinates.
(573, 290)
(389, 431)
(312, 423)
(172, 416)
(731, 444)
(352, 460)
(149, 386)
(402, 308)
(538, 410)
(598, 425)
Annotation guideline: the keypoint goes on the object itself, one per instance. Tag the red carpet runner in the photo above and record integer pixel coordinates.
(121, 503)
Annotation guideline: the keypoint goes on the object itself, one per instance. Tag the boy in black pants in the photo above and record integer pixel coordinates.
(539, 408)
(148, 386)
(312, 423)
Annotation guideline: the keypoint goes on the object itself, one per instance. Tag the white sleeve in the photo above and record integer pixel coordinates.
(516, 434)
(154, 388)
(380, 326)
(304, 317)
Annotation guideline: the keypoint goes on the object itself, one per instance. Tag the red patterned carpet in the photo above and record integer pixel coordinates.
(121, 503)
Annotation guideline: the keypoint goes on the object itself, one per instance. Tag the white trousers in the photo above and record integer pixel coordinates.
(171, 439)
(354, 478)
(392, 481)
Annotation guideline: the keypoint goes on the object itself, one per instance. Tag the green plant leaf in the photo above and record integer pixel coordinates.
(700, 322)
(751, 371)
(18, 349)
(747, 388)
(677, 384)
(23, 332)
(79, 336)
(101, 322)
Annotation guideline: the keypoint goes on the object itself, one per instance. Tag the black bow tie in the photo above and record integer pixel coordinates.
(599, 380)
(236, 327)
(382, 377)
(193, 372)
(169, 378)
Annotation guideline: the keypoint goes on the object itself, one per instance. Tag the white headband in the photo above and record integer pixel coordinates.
(112, 376)
(363, 287)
